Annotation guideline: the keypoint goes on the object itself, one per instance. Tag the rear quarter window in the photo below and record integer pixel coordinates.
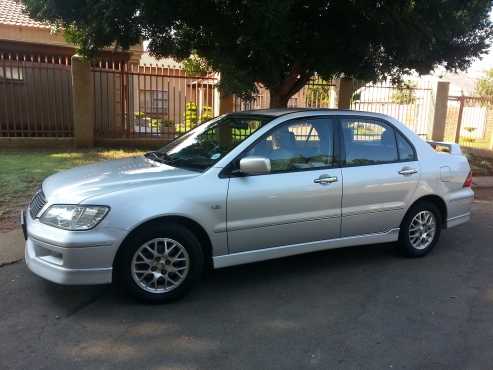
(406, 151)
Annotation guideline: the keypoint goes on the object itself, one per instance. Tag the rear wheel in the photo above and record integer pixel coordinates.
(160, 263)
(420, 230)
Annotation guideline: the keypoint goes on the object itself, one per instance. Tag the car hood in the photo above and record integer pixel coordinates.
(79, 183)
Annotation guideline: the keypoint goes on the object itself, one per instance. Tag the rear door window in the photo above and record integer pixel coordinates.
(368, 142)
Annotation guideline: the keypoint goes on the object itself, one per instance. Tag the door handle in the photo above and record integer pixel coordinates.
(406, 171)
(325, 179)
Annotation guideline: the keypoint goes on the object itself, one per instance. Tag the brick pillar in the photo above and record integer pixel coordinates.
(83, 102)
(227, 104)
(345, 89)
(441, 92)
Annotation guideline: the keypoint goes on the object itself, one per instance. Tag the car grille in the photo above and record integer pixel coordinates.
(37, 203)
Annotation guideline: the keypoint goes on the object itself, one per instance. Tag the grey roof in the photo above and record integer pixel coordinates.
(272, 112)
(277, 112)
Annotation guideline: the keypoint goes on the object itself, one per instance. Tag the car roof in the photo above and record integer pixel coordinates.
(270, 112)
(277, 112)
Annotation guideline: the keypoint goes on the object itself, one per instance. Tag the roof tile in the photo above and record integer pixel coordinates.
(12, 13)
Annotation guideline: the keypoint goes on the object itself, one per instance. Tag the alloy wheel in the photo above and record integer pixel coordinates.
(422, 230)
(160, 265)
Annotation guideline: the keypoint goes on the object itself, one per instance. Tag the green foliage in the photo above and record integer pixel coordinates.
(356, 96)
(318, 93)
(282, 43)
(157, 124)
(404, 94)
(469, 138)
(206, 114)
(196, 66)
(191, 117)
(484, 86)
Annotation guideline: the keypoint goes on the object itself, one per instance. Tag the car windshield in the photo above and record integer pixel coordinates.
(202, 147)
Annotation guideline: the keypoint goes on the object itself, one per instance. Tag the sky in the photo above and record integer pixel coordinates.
(480, 66)
(486, 62)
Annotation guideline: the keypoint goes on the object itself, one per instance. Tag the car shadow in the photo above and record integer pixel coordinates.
(226, 281)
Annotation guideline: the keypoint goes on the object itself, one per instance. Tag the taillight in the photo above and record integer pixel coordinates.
(468, 182)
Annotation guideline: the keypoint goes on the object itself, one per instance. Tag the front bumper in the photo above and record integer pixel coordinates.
(50, 261)
(70, 257)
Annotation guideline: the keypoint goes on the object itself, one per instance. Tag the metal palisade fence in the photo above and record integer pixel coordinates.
(150, 101)
(470, 121)
(35, 96)
(132, 101)
(412, 104)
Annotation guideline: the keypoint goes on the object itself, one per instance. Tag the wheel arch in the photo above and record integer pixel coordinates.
(190, 224)
(437, 201)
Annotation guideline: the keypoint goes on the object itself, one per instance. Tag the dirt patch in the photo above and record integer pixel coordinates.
(10, 221)
(480, 165)
(483, 194)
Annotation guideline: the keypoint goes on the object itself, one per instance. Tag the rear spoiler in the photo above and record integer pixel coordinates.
(451, 148)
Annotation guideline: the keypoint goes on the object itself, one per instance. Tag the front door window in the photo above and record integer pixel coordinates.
(298, 145)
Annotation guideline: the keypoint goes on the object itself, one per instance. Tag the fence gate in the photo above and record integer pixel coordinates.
(35, 96)
(410, 104)
(149, 101)
(470, 121)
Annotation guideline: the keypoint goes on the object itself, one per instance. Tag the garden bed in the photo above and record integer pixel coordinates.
(480, 165)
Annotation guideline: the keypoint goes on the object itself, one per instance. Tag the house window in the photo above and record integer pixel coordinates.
(154, 101)
(11, 73)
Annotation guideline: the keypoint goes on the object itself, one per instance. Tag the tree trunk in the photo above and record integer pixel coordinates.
(280, 95)
(277, 100)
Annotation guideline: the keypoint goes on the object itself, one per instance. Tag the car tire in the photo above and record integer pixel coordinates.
(420, 230)
(149, 279)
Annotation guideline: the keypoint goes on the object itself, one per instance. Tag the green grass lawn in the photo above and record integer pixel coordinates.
(22, 172)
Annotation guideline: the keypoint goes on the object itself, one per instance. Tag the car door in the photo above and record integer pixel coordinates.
(299, 201)
(381, 173)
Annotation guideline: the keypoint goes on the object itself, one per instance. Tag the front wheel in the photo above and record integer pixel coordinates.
(160, 263)
(420, 230)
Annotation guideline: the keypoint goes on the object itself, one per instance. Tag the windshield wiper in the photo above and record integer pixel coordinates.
(155, 156)
(162, 157)
(175, 162)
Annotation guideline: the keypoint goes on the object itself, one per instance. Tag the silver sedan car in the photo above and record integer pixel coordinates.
(241, 188)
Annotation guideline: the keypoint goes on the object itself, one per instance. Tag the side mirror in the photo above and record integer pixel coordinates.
(254, 165)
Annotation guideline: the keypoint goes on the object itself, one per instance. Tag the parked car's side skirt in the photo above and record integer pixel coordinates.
(290, 250)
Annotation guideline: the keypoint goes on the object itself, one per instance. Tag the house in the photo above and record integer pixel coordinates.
(23, 37)
(162, 90)
(35, 75)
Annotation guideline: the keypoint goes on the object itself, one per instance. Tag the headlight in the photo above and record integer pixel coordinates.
(72, 217)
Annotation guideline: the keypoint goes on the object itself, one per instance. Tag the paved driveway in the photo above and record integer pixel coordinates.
(359, 308)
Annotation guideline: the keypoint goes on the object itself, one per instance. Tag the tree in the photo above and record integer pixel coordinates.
(484, 86)
(404, 94)
(282, 43)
